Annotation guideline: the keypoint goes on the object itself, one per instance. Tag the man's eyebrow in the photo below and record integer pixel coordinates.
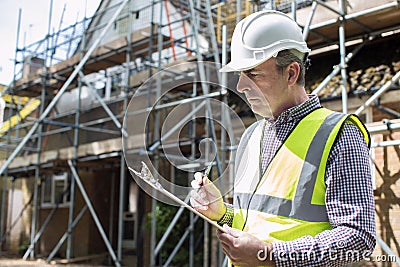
(248, 71)
(251, 71)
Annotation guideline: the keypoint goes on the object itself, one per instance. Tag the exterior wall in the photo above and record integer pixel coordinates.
(16, 234)
(86, 237)
(17, 239)
(54, 230)
(387, 193)
(57, 141)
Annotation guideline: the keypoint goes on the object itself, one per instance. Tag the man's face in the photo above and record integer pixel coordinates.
(263, 87)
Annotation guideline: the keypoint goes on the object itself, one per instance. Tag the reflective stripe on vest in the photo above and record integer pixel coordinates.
(291, 193)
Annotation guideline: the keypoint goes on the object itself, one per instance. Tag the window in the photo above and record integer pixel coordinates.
(122, 23)
(55, 190)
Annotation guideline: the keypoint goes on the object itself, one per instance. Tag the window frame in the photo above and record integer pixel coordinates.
(54, 179)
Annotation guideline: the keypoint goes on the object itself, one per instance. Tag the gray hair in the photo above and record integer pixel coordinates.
(285, 57)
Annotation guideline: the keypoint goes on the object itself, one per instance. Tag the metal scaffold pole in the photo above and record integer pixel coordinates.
(39, 145)
(306, 29)
(69, 251)
(337, 69)
(62, 90)
(93, 213)
(382, 90)
(122, 182)
(342, 48)
(72, 183)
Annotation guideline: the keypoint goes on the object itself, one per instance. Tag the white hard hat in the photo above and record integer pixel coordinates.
(260, 36)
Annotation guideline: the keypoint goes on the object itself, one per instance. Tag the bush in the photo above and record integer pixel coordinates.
(164, 215)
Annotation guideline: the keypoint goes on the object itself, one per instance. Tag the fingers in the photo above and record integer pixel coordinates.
(200, 196)
(197, 205)
(232, 231)
(229, 236)
(226, 251)
(206, 198)
(228, 243)
(225, 242)
(229, 240)
(195, 184)
(198, 180)
(201, 181)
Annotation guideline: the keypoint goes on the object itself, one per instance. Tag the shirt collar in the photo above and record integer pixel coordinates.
(297, 112)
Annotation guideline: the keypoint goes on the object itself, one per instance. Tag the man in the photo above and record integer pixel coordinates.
(303, 190)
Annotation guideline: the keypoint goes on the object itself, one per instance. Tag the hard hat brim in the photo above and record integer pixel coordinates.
(244, 64)
(249, 63)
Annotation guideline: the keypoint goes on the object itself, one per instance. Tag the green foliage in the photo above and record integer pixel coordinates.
(23, 247)
(164, 215)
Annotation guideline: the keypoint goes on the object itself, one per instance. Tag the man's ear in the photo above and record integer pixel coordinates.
(293, 71)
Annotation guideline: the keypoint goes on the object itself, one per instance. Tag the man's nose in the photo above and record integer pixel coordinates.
(243, 84)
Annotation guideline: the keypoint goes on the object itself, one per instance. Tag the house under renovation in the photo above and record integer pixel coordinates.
(139, 81)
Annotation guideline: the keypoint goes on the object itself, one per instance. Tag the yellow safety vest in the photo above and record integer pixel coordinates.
(289, 200)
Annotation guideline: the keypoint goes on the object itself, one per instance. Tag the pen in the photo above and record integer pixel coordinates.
(195, 183)
(208, 170)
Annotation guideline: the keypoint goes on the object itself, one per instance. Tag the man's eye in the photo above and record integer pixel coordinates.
(251, 74)
(248, 74)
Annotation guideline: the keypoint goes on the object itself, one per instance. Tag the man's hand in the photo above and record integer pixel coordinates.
(207, 199)
(244, 249)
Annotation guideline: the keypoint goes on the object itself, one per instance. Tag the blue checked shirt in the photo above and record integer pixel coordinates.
(349, 197)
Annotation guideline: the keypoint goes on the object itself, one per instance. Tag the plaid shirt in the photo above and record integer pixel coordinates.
(349, 197)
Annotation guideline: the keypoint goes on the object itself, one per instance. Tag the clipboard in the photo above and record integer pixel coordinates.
(146, 176)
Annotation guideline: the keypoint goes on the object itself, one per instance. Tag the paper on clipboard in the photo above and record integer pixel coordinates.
(146, 176)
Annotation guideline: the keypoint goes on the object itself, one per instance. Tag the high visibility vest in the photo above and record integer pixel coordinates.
(289, 200)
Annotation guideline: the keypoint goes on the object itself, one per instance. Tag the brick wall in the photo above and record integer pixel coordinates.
(387, 193)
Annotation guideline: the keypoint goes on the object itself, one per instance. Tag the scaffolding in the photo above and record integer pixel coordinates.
(120, 47)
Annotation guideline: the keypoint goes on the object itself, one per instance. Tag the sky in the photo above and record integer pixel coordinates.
(34, 25)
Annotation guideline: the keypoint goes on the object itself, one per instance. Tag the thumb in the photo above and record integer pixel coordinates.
(232, 231)
(205, 180)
